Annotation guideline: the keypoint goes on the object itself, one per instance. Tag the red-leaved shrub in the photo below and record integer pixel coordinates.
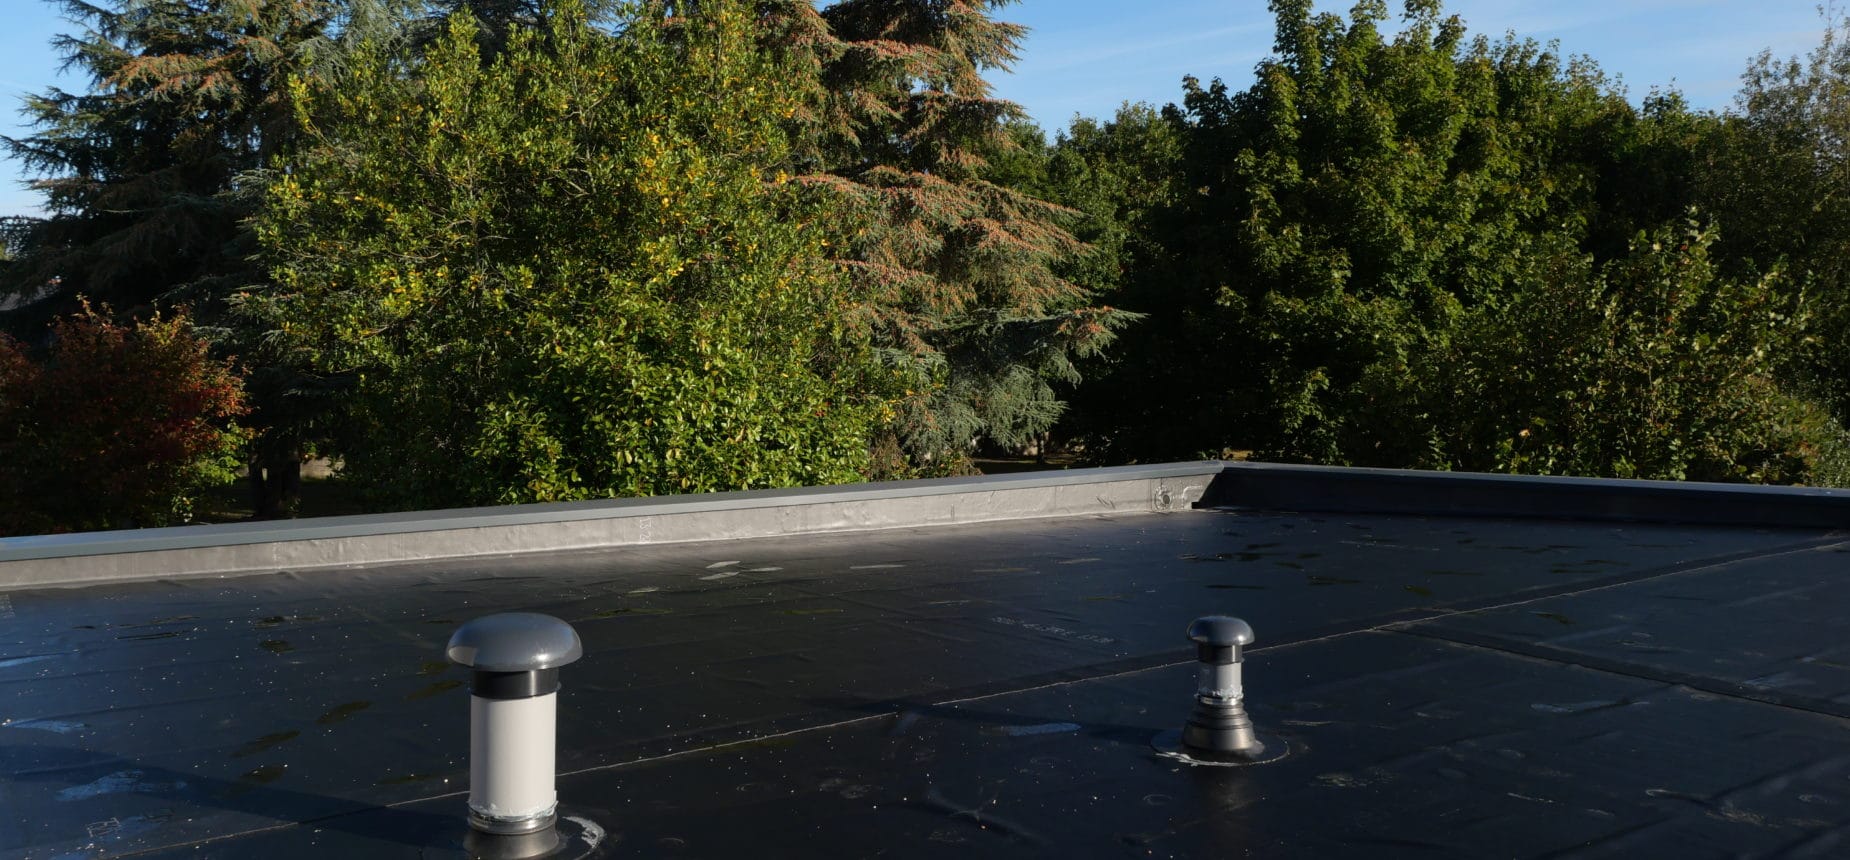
(118, 425)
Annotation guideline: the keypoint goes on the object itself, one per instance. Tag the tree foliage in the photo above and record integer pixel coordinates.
(1380, 211)
(961, 273)
(117, 425)
(1653, 365)
(149, 175)
(1777, 176)
(572, 271)
(141, 173)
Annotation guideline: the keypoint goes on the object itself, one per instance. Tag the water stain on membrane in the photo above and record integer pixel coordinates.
(264, 775)
(143, 637)
(276, 646)
(433, 689)
(264, 743)
(1028, 731)
(433, 667)
(1331, 580)
(346, 709)
(1234, 587)
(1556, 617)
(278, 620)
(1099, 597)
(630, 610)
(813, 611)
(171, 619)
(1420, 590)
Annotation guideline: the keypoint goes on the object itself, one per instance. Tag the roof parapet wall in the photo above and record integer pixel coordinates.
(219, 550)
(1286, 487)
(334, 542)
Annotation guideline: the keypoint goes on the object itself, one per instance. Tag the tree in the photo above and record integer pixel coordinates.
(573, 271)
(960, 271)
(1652, 366)
(1776, 174)
(1341, 217)
(148, 175)
(141, 173)
(1122, 179)
(117, 426)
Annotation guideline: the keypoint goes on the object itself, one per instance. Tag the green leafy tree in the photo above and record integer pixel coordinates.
(116, 426)
(1776, 174)
(1122, 179)
(573, 271)
(1338, 219)
(1652, 366)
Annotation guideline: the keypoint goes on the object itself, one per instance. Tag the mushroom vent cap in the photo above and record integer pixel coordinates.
(515, 642)
(1220, 631)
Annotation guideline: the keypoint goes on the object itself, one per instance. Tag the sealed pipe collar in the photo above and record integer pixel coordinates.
(515, 642)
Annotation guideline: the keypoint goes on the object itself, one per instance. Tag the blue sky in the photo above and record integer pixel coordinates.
(1088, 56)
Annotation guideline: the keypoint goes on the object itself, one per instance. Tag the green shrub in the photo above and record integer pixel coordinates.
(1654, 366)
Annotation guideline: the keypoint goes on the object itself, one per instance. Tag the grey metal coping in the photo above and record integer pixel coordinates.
(1289, 487)
(367, 525)
(335, 542)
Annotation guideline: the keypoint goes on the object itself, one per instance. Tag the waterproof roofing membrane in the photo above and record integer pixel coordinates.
(1439, 685)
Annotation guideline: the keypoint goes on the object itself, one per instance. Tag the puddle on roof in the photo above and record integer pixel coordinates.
(62, 727)
(120, 782)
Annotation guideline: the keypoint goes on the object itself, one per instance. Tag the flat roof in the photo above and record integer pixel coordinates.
(1445, 684)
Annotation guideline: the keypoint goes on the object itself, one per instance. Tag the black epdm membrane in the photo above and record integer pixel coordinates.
(1445, 688)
